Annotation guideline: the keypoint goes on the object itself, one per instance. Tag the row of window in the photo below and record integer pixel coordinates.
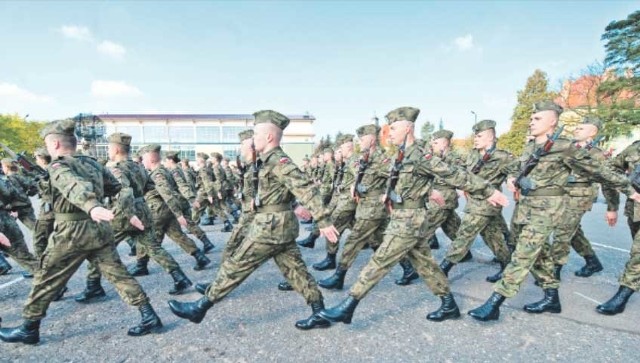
(186, 151)
(147, 134)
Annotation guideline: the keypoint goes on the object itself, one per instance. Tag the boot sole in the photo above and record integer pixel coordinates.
(552, 311)
(609, 313)
(153, 330)
(28, 342)
(489, 318)
(449, 317)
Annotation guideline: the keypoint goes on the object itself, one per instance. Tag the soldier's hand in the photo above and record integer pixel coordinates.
(210, 200)
(511, 185)
(497, 198)
(219, 195)
(330, 233)
(437, 198)
(611, 218)
(100, 214)
(4, 240)
(302, 213)
(196, 205)
(635, 196)
(136, 222)
(182, 221)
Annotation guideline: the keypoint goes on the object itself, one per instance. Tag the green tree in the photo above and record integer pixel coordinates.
(426, 130)
(535, 90)
(19, 134)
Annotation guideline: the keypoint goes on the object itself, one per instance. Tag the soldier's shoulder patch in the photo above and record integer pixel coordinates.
(386, 161)
(428, 156)
(285, 160)
(56, 165)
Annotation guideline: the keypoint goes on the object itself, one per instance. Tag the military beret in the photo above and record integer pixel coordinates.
(63, 127)
(273, 117)
(484, 125)
(173, 155)
(343, 139)
(151, 148)
(442, 134)
(119, 138)
(245, 135)
(202, 156)
(547, 105)
(41, 151)
(216, 155)
(328, 149)
(403, 114)
(592, 120)
(368, 130)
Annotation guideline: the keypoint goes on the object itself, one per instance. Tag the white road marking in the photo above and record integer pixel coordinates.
(588, 298)
(7, 284)
(610, 247)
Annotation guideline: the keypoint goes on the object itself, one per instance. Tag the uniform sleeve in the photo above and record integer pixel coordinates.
(456, 177)
(166, 193)
(305, 192)
(183, 186)
(581, 161)
(219, 179)
(73, 188)
(124, 199)
(208, 182)
(111, 185)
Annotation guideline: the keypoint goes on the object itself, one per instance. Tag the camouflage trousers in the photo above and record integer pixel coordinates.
(192, 225)
(27, 216)
(164, 222)
(239, 233)
(447, 219)
(491, 230)
(343, 218)
(514, 228)
(534, 225)
(18, 249)
(364, 231)
(214, 209)
(394, 248)
(41, 232)
(569, 234)
(631, 275)
(70, 244)
(250, 255)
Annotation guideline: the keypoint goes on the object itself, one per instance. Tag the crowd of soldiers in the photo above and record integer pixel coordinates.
(391, 204)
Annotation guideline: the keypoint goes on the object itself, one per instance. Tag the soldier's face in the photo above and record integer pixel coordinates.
(261, 136)
(111, 151)
(366, 141)
(397, 132)
(52, 146)
(146, 160)
(346, 149)
(584, 132)
(542, 123)
(327, 157)
(314, 162)
(439, 145)
(338, 156)
(483, 139)
(245, 150)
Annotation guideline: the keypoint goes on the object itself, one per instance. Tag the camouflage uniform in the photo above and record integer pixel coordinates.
(224, 206)
(344, 211)
(44, 223)
(22, 204)
(18, 250)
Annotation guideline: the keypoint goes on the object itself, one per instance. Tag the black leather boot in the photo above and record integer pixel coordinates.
(409, 273)
(468, 257)
(550, 303)
(433, 243)
(448, 309)
(342, 312)
(27, 333)
(207, 246)
(201, 260)
(592, 266)
(490, 310)
(206, 221)
(27, 275)
(557, 270)
(335, 281)
(309, 242)
(315, 320)
(150, 322)
(202, 288)
(193, 311)
(4, 265)
(180, 282)
(285, 286)
(140, 269)
(446, 266)
(498, 275)
(93, 291)
(60, 294)
(617, 303)
(132, 245)
(228, 227)
(328, 263)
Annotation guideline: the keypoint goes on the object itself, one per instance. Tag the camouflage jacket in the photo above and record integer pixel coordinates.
(453, 158)
(231, 177)
(130, 201)
(495, 171)
(348, 171)
(205, 184)
(374, 182)
(221, 183)
(45, 212)
(167, 190)
(327, 178)
(583, 191)
(185, 189)
(626, 162)
(20, 197)
(280, 183)
(191, 176)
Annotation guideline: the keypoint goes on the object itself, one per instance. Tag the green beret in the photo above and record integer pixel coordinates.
(42, 152)
(547, 105)
(273, 117)
(65, 127)
(343, 139)
(592, 120)
(403, 114)
(216, 155)
(442, 134)
(328, 149)
(245, 135)
(368, 130)
(151, 148)
(484, 125)
(173, 155)
(119, 138)
(203, 156)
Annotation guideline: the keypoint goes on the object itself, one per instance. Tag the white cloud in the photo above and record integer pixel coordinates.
(103, 88)
(12, 91)
(76, 32)
(464, 43)
(111, 49)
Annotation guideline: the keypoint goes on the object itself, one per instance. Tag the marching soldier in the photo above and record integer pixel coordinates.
(224, 192)
(542, 205)
(189, 173)
(406, 232)
(25, 188)
(78, 185)
(273, 232)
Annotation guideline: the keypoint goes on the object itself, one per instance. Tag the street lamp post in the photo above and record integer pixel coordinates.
(475, 117)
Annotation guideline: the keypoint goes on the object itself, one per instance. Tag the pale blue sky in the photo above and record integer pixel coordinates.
(340, 61)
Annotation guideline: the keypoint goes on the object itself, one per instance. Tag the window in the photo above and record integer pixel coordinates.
(208, 134)
(181, 134)
(101, 152)
(155, 134)
(134, 130)
(185, 151)
(231, 151)
(230, 133)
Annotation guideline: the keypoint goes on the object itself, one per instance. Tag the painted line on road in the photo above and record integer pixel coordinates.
(7, 284)
(588, 298)
(610, 247)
